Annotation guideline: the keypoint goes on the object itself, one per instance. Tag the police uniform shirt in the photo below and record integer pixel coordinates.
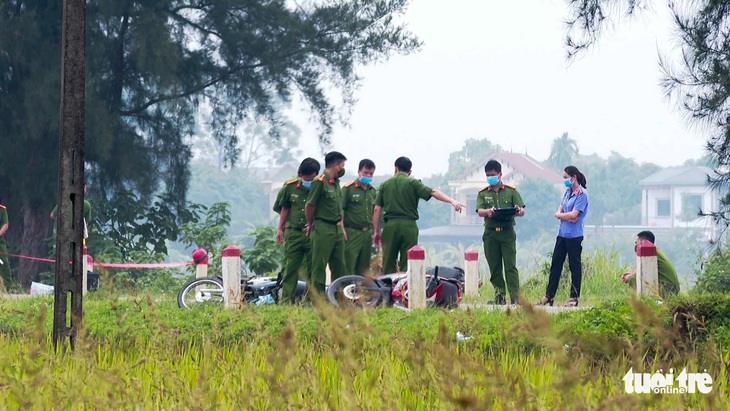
(503, 196)
(399, 195)
(293, 195)
(326, 195)
(358, 201)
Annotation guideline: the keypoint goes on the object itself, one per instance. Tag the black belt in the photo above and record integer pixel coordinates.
(328, 221)
(399, 219)
(297, 228)
(499, 228)
(358, 227)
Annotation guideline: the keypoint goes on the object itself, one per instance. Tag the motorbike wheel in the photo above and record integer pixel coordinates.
(354, 291)
(201, 291)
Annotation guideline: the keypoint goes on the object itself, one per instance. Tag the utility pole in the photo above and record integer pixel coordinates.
(69, 220)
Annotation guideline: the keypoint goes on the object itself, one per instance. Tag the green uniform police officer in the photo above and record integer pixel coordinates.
(290, 205)
(500, 239)
(5, 266)
(324, 221)
(358, 199)
(397, 200)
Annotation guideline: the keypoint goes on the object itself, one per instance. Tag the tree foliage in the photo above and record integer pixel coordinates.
(151, 65)
(698, 78)
(563, 151)
(541, 200)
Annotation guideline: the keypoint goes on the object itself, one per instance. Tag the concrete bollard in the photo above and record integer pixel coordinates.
(200, 259)
(471, 272)
(647, 272)
(416, 277)
(231, 261)
(85, 268)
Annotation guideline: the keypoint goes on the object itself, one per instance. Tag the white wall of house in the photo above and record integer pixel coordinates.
(672, 206)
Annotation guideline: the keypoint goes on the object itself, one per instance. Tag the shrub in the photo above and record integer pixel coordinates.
(715, 277)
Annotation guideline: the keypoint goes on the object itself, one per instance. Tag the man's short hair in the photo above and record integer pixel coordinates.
(403, 164)
(493, 165)
(366, 163)
(332, 158)
(647, 235)
(308, 166)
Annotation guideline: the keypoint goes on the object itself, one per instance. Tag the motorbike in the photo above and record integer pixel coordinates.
(444, 288)
(254, 290)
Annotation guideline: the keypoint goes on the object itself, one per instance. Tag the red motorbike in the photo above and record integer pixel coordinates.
(444, 287)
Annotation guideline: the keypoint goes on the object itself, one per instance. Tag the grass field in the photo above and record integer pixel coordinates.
(142, 352)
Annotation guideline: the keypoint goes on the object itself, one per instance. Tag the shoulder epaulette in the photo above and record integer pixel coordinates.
(485, 188)
(2, 206)
(321, 177)
(510, 186)
(349, 184)
(291, 181)
(579, 191)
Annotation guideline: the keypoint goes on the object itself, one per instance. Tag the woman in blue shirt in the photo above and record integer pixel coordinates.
(571, 212)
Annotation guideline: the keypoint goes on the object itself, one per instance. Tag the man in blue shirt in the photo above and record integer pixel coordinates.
(571, 212)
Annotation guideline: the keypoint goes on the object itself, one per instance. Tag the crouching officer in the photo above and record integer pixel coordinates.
(290, 205)
(358, 199)
(500, 239)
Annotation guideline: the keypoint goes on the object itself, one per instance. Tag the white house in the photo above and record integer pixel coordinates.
(674, 196)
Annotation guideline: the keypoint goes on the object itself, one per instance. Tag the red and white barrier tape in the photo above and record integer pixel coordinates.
(110, 265)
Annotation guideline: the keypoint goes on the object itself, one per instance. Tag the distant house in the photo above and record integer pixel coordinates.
(468, 225)
(674, 196)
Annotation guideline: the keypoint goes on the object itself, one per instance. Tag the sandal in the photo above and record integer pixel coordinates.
(572, 302)
(546, 301)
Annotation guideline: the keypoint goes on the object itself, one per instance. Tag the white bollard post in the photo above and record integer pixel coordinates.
(231, 261)
(200, 259)
(85, 268)
(647, 273)
(471, 272)
(416, 277)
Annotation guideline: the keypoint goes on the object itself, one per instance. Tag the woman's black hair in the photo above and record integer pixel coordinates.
(574, 172)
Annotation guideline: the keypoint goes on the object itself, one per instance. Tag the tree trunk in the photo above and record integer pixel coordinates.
(34, 242)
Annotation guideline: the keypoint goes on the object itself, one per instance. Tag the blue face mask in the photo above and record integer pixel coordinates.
(567, 182)
(492, 180)
(306, 183)
(366, 180)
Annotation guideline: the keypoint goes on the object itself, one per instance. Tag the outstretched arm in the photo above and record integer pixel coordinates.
(439, 195)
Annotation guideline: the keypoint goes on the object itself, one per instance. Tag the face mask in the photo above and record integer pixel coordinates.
(567, 182)
(366, 180)
(341, 173)
(306, 183)
(493, 180)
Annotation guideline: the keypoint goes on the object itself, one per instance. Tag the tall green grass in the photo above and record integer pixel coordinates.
(145, 354)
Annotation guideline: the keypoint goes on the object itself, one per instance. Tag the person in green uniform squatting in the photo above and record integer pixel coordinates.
(666, 273)
(397, 200)
(358, 199)
(500, 239)
(289, 205)
(323, 212)
(5, 266)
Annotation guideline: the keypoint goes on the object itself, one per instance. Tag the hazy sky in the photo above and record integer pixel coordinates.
(497, 69)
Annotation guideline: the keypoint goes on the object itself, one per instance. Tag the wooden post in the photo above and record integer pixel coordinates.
(231, 260)
(471, 272)
(647, 272)
(200, 259)
(416, 277)
(68, 289)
